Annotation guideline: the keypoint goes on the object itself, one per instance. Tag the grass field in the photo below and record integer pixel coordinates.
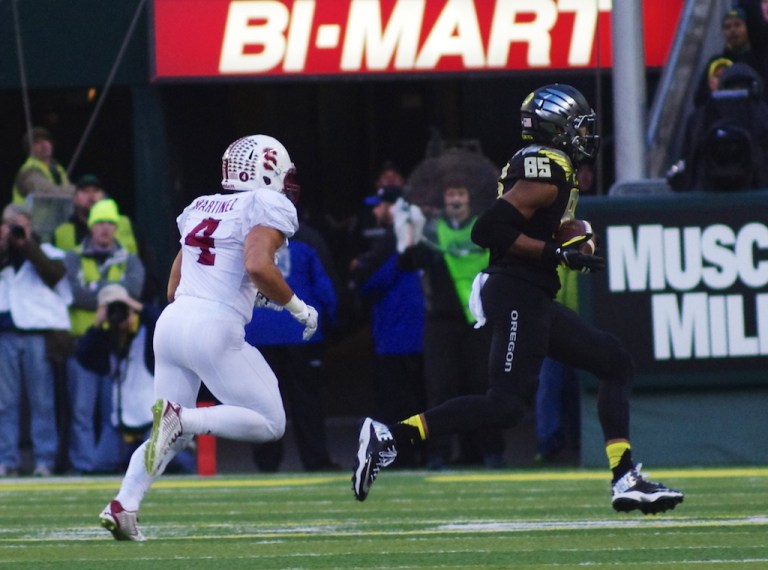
(421, 520)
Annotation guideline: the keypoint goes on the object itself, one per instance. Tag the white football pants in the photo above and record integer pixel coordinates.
(198, 340)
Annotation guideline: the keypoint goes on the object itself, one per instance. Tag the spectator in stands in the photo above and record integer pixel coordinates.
(88, 191)
(455, 353)
(98, 261)
(41, 174)
(389, 175)
(118, 347)
(397, 315)
(715, 70)
(726, 141)
(297, 363)
(33, 301)
(757, 27)
(370, 230)
(737, 48)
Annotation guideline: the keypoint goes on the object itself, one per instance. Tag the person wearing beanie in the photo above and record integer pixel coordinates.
(99, 260)
(89, 190)
(715, 70)
(737, 48)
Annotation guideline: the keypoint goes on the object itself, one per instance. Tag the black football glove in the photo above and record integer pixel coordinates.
(570, 256)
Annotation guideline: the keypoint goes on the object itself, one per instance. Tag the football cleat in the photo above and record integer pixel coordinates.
(166, 429)
(376, 450)
(632, 492)
(121, 523)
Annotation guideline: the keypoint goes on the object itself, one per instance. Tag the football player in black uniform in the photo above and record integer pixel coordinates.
(537, 189)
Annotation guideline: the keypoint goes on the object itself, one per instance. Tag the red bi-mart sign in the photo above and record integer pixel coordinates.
(238, 38)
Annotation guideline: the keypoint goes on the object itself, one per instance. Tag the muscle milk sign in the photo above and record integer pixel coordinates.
(225, 38)
(706, 286)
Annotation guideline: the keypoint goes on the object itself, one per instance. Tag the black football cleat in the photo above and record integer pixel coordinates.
(633, 492)
(376, 450)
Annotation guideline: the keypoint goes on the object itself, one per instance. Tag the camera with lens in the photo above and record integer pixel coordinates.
(18, 232)
(117, 312)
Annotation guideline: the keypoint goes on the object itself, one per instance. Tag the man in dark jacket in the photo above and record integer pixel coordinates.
(299, 363)
(397, 314)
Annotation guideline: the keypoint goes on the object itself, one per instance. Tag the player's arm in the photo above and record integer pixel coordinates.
(174, 278)
(508, 217)
(527, 196)
(261, 245)
(501, 226)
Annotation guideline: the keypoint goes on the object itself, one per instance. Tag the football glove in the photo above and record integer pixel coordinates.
(305, 314)
(570, 256)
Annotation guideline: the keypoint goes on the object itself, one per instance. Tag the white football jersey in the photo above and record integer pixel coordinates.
(213, 231)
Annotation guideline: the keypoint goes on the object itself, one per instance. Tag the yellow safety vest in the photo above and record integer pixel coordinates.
(64, 236)
(84, 318)
(37, 164)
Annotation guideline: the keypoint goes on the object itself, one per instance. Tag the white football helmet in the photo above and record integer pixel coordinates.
(256, 162)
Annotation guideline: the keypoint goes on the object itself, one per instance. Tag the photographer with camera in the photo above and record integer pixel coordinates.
(118, 347)
(95, 263)
(33, 302)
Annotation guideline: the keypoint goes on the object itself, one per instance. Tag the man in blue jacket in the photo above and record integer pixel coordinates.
(397, 316)
(298, 363)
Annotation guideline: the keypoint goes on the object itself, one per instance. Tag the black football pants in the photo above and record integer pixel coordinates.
(528, 325)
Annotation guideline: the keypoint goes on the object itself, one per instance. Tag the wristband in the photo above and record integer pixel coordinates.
(296, 306)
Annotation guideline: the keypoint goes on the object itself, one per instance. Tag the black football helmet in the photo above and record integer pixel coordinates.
(558, 115)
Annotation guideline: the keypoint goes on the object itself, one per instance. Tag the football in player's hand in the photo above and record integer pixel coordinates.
(578, 233)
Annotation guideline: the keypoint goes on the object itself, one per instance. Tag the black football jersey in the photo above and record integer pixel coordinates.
(550, 166)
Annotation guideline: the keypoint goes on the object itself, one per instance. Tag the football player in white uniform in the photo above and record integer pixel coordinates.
(226, 265)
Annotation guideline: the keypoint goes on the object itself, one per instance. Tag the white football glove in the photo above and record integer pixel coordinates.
(305, 314)
(262, 301)
(408, 222)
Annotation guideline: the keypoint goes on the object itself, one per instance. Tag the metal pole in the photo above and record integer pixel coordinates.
(629, 98)
(22, 71)
(107, 85)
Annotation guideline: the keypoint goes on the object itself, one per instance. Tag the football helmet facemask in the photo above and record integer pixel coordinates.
(256, 162)
(558, 115)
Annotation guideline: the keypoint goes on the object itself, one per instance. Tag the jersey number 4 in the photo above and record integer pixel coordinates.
(200, 236)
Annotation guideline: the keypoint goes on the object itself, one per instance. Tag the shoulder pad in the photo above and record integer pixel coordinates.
(545, 164)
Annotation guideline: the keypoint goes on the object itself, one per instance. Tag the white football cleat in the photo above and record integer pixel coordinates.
(121, 523)
(166, 429)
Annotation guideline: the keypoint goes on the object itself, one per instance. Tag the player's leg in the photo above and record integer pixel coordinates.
(578, 343)
(519, 315)
(120, 516)
(238, 376)
(251, 408)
